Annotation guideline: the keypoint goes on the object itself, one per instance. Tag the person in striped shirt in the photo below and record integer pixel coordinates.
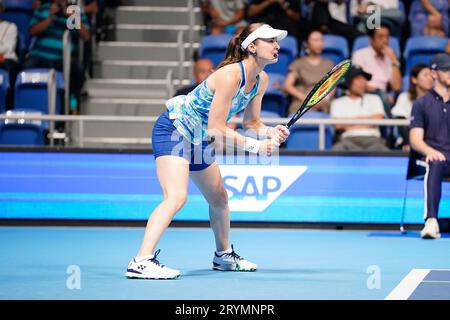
(48, 24)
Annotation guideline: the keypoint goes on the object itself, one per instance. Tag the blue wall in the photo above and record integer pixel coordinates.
(124, 186)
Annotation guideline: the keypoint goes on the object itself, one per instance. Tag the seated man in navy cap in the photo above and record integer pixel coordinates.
(430, 136)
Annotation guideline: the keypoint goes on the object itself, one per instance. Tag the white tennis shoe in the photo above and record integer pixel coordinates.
(232, 262)
(431, 229)
(150, 268)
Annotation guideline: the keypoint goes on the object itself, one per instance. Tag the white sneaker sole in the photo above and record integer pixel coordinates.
(132, 275)
(231, 267)
(430, 236)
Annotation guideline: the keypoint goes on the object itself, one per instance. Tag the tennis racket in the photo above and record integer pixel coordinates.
(322, 89)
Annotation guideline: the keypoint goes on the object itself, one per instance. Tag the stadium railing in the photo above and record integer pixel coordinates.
(82, 119)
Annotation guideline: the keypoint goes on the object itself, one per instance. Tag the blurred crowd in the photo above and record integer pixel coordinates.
(380, 85)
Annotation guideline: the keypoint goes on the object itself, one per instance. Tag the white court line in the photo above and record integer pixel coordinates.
(407, 286)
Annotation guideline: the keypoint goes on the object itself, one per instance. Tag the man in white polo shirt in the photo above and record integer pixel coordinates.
(358, 104)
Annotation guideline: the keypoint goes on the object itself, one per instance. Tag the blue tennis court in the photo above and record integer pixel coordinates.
(423, 284)
(89, 263)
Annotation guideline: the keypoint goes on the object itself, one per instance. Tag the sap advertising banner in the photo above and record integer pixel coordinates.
(254, 188)
(331, 189)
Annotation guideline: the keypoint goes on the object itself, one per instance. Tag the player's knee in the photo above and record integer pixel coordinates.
(220, 199)
(178, 199)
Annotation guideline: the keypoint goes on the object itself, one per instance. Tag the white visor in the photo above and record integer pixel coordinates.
(264, 32)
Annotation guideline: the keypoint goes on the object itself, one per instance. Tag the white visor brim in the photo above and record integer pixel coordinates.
(264, 32)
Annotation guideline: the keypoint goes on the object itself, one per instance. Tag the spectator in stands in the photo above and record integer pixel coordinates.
(326, 15)
(434, 26)
(37, 3)
(90, 6)
(306, 71)
(429, 135)
(202, 69)
(380, 61)
(91, 9)
(428, 17)
(225, 16)
(358, 104)
(338, 10)
(48, 26)
(280, 14)
(8, 56)
(390, 12)
(420, 82)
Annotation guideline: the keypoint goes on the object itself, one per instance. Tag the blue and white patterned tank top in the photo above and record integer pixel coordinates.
(191, 111)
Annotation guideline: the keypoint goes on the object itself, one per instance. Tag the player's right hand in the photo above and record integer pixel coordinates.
(267, 147)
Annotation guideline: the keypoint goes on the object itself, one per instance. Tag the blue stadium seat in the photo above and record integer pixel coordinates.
(30, 90)
(405, 83)
(420, 50)
(363, 41)
(19, 12)
(335, 48)
(306, 137)
(276, 81)
(19, 4)
(274, 99)
(21, 134)
(287, 53)
(214, 47)
(4, 86)
(268, 114)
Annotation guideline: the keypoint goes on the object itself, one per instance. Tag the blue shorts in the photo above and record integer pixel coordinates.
(167, 141)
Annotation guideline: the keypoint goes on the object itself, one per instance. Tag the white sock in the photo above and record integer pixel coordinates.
(142, 258)
(222, 252)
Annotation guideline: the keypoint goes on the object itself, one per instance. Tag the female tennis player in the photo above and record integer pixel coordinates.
(181, 148)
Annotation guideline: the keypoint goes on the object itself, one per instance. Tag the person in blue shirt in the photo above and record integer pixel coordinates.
(430, 136)
(181, 148)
